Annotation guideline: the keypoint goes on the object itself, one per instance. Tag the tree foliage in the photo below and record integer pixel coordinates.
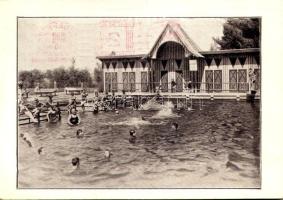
(71, 77)
(240, 33)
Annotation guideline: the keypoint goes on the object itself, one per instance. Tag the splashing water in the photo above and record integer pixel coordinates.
(166, 111)
(151, 104)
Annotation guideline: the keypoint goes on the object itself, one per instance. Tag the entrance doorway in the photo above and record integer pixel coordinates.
(179, 81)
(164, 81)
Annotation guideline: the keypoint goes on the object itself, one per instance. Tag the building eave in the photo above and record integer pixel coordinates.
(231, 51)
(115, 57)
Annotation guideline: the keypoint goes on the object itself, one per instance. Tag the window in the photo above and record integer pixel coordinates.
(217, 80)
(238, 80)
(111, 81)
(213, 80)
(144, 87)
(129, 81)
(209, 80)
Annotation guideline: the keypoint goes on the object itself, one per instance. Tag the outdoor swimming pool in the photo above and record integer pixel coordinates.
(160, 158)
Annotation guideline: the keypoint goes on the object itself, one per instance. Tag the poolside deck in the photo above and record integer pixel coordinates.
(62, 96)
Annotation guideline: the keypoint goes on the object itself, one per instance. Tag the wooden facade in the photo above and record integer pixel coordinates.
(176, 59)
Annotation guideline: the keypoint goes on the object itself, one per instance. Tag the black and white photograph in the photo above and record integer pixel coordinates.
(138, 102)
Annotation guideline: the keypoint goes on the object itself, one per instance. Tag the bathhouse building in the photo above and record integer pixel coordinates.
(175, 64)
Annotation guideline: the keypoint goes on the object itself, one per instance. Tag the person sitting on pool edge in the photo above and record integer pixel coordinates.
(72, 103)
(24, 110)
(74, 118)
(38, 107)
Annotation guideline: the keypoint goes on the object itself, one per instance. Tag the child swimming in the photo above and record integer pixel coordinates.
(80, 133)
(73, 118)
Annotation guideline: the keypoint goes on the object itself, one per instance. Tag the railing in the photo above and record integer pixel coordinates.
(193, 87)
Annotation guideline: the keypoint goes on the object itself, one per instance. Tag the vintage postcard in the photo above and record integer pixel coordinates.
(141, 99)
(139, 102)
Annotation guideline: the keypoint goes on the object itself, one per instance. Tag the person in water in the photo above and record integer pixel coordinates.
(84, 99)
(51, 114)
(80, 133)
(107, 154)
(175, 126)
(74, 118)
(76, 162)
(133, 136)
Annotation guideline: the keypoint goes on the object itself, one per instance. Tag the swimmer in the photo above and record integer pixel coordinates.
(133, 137)
(95, 107)
(76, 162)
(80, 133)
(39, 151)
(28, 142)
(84, 99)
(74, 118)
(175, 126)
(212, 138)
(143, 118)
(117, 112)
(107, 154)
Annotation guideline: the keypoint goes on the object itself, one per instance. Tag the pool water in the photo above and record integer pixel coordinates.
(217, 146)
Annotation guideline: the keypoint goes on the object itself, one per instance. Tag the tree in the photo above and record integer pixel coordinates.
(60, 76)
(64, 77)
(30, 78)
(240, 33)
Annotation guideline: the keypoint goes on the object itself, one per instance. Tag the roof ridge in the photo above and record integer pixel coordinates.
(190, 39)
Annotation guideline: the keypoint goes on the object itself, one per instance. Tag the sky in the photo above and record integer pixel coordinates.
(48, 43)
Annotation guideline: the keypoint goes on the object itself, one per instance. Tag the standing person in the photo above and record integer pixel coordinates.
(252, 78)
(84, 99)
(124, 98)
(173, 86)
(113, 99)
(190, 86)
(49, 101)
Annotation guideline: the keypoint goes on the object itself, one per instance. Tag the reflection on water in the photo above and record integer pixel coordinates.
(217, 146)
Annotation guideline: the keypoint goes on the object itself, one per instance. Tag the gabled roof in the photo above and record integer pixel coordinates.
(181, 36)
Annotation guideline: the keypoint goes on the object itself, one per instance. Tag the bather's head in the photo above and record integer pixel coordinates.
(76, 162)
(73, 111)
